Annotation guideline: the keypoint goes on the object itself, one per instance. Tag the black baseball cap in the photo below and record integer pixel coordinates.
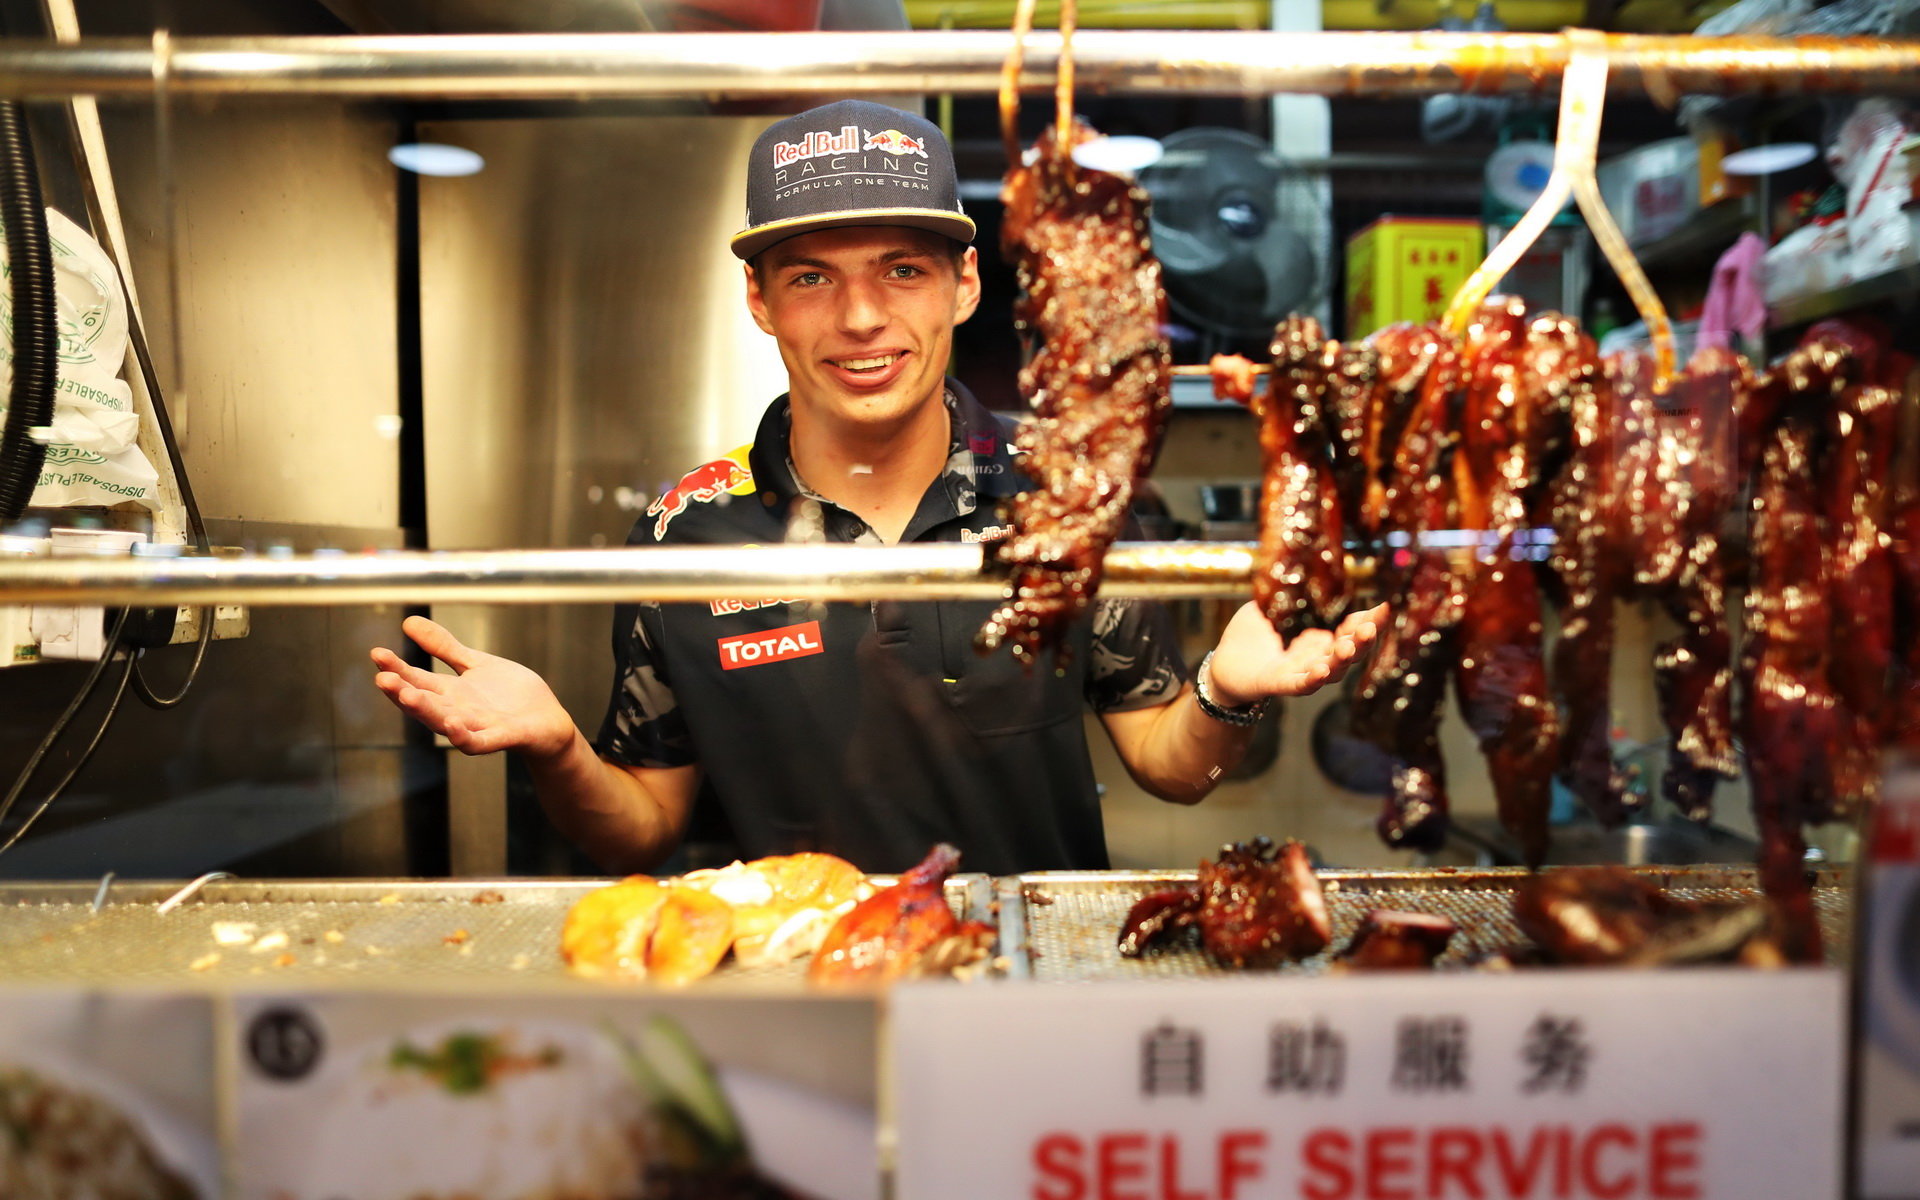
(852, 162)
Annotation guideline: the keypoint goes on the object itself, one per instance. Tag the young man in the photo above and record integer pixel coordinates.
(869, 730)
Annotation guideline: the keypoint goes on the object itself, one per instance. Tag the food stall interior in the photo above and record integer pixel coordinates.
(356, 358)
(371, 388)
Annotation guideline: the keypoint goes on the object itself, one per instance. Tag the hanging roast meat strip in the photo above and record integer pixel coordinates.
(1097, 383)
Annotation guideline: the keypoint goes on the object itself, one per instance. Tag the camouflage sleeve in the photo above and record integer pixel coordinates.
(644, 726)
(1136, 660)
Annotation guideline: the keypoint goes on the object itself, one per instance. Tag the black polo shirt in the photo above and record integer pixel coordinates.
(873, 730)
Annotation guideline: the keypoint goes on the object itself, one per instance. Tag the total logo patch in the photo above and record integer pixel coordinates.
(770, 646)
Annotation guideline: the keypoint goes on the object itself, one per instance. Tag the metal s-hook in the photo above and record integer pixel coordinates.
(1583, 94)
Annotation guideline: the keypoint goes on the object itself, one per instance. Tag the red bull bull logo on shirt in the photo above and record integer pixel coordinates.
(727, 476)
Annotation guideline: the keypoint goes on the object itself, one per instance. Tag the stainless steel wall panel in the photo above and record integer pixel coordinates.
(585, 342)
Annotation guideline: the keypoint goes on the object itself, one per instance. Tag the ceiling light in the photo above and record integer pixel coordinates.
(1120, 155)
(433, 158)
(1767, 160)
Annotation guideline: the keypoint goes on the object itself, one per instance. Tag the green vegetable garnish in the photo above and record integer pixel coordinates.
(466, 1064)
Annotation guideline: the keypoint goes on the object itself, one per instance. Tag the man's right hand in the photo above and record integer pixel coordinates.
(490, 704)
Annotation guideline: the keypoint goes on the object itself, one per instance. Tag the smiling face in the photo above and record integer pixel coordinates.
(864, 316)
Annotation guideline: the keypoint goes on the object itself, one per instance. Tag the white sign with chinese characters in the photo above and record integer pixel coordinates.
(1571, 1084)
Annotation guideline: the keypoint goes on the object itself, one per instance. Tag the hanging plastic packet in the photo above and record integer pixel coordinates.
(91, 456)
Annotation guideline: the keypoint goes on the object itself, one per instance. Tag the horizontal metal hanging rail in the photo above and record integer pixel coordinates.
(942, 571)
(749, 65)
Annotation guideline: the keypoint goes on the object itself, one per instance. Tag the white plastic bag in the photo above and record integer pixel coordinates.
(92, 458)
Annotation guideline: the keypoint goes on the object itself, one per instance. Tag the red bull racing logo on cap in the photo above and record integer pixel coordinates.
(727, 476)
(892, 141)
(816, 143)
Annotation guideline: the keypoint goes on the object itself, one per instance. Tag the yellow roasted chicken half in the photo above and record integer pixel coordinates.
(766, 912)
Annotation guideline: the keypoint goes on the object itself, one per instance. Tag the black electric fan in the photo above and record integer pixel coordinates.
(1241, 236)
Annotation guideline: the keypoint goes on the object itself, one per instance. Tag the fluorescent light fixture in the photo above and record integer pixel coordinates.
(1767, 160)
(1120, 155)
(434, 158)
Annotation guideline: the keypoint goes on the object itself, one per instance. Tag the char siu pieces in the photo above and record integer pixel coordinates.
(1300, 568)
(1591, 914)
(1609, 915)
(1259, 908)
(907, 929)
(1254, 907)
(1156, 916)
(1097, 383)
(1396, 941)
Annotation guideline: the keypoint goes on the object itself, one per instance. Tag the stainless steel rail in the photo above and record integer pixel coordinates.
(943, 571)
(747, 65)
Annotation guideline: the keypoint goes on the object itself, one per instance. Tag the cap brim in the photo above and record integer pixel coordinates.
(749, 242)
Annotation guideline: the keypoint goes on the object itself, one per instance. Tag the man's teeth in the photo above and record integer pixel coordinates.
(868, 364)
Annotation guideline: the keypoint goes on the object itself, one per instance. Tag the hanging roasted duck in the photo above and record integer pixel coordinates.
(1398, 702)
(1590, 566)
(1862, 431)
(1513, 420)
(1687, 499)
(1789, 718)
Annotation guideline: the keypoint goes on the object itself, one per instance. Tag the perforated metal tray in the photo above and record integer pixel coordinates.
(1065, 925)
(328, 932)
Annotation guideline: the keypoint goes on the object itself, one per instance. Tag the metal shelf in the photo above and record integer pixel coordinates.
(1893, 285)
(928, 571)
(756, 65)
(1705, 234)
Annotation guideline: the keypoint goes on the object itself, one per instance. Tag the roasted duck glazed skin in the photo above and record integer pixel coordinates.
(1097, 384)
(1398, 701)
(1300, 568)
(907, 929)
(1500, 675)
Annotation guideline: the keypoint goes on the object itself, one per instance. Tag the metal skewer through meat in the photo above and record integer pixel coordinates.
(1097, 382)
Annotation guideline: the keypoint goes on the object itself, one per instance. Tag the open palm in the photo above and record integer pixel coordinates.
(1253, 661)
(490, 704)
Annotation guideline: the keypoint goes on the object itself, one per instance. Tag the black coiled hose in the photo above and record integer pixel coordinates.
(35, 336)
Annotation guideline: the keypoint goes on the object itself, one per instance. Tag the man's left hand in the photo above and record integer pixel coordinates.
(1253, 661)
